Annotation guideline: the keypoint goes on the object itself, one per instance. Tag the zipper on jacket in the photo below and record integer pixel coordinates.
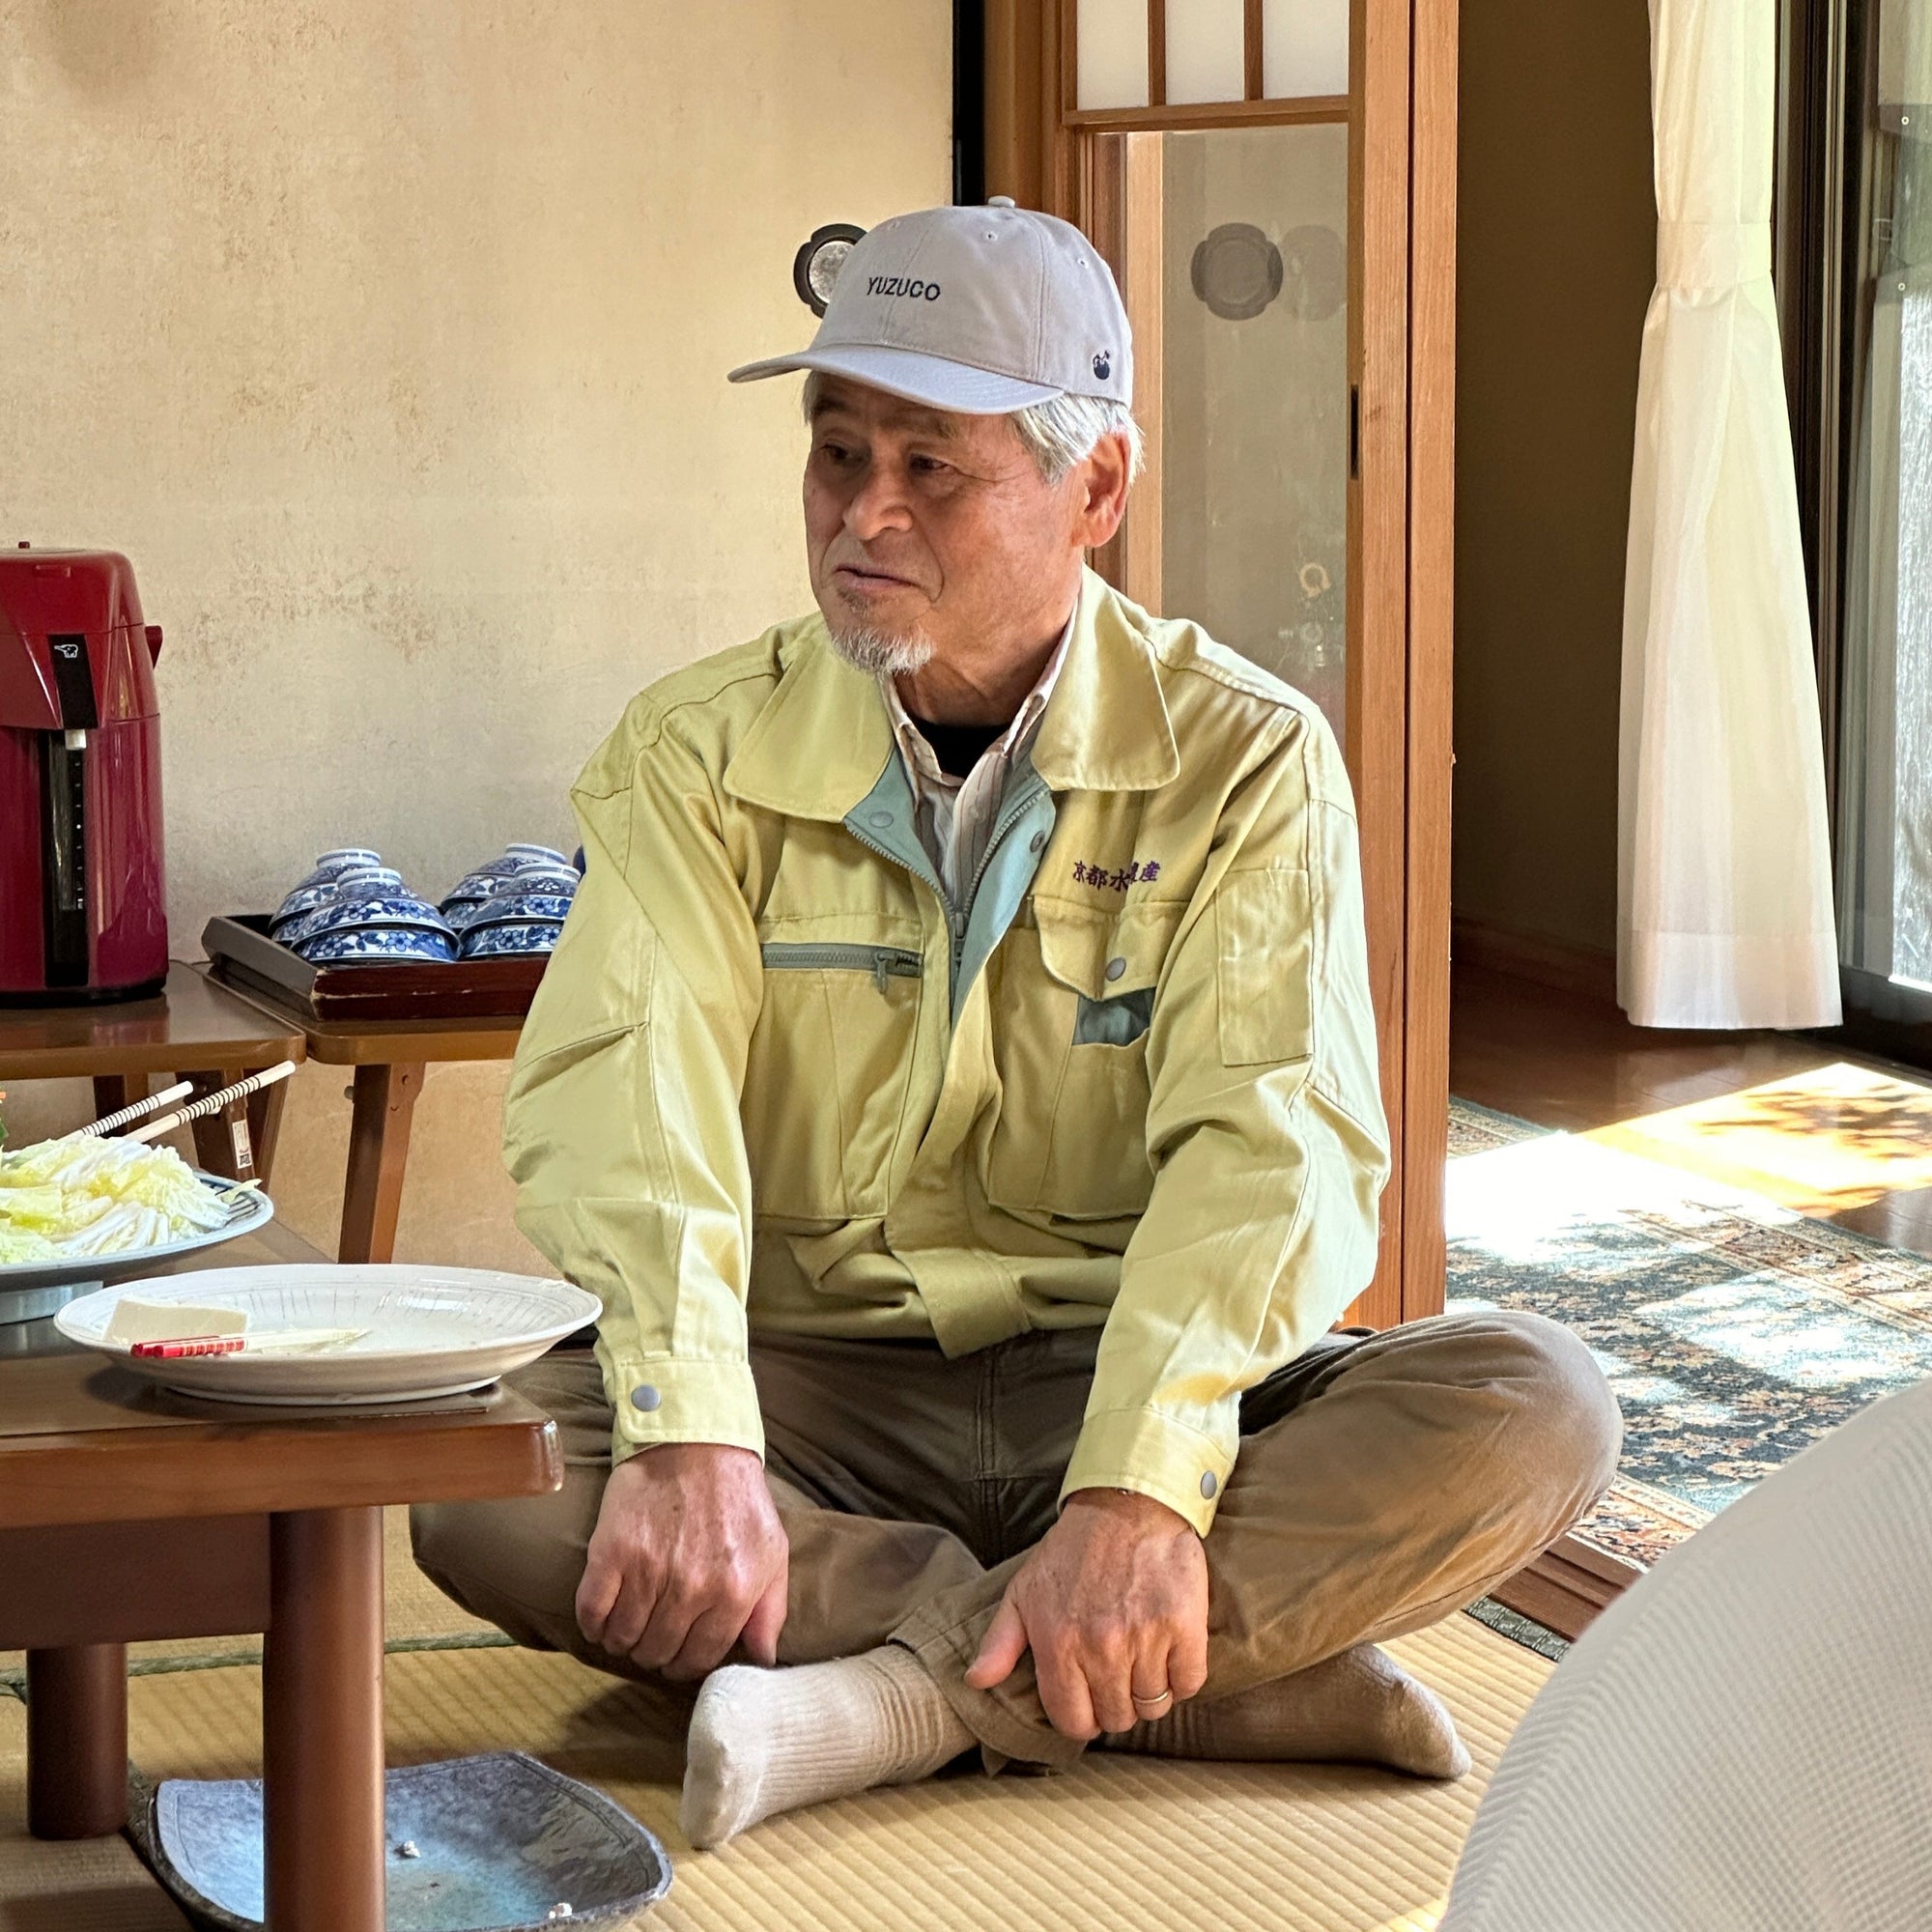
(1016, 809)
(882, 962)
(955, 924)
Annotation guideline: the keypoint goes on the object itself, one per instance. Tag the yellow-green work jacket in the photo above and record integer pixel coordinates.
(773, 1082)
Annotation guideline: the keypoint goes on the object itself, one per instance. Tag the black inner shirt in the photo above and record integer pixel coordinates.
(957, 747)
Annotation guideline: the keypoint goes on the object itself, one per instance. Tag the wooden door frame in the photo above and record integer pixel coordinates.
(1401, 114)
(1432, 643)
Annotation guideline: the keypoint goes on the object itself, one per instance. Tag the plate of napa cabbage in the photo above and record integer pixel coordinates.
(83, 1208)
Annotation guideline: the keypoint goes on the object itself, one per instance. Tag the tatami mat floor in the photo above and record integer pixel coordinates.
(1117, 1841)
(96, 1885)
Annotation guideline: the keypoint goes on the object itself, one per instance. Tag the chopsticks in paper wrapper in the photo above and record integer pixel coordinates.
(169, 1331)
(112, 1123)
(212, 1103)
(269, 1342)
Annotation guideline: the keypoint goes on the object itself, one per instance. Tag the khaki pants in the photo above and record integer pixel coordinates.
(1384, 1481)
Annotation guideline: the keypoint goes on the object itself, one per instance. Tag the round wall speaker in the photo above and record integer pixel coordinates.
(1237, 270)
(815, 268)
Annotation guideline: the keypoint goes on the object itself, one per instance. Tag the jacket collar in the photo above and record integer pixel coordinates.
(821, 741)
(1106, 726)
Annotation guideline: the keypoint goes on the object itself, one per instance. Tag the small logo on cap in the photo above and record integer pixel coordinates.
(899, 285)
(1104, 366)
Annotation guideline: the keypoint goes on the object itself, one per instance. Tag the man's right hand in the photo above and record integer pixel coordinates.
(688, 1557)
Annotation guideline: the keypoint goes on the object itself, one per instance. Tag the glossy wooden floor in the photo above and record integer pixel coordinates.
(1826, 1131)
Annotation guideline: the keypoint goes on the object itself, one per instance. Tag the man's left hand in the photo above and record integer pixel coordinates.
(1113, 1603)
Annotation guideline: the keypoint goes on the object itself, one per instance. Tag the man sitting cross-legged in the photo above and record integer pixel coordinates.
(957, 1080)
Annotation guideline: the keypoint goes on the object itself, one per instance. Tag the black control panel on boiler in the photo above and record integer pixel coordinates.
(74, 681)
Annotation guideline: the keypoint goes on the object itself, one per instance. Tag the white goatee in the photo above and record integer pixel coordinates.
(880, 652)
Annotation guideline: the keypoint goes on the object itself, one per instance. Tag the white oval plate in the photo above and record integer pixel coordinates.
(248, 1207)
(432, 1330)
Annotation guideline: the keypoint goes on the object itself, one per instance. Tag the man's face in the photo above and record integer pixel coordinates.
(935, 532)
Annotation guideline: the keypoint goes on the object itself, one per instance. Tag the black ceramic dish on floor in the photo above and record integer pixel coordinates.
(495, 1843)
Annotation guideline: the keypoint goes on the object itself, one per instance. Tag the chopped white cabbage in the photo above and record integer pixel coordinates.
(18, 1244)
(83, 1196)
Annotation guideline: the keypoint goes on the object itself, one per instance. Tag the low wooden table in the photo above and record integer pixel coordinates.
(128, 1514)
(193, 1030)
(388, 1057)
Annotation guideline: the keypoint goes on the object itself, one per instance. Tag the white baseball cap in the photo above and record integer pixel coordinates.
(981, 311)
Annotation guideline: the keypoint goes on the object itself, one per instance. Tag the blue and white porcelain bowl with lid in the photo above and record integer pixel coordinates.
(343, 859)
(405, 944)
(529, 922)
(514, 908)
(409, 944)
(487, 882)
(306, 899)
(363, 906)
(515, 938)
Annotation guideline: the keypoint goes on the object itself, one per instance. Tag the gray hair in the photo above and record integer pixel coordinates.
(1060, 433)
(1063, 431)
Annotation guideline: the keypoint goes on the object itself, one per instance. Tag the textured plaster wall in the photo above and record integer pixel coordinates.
(387, 338)
(1556, 242)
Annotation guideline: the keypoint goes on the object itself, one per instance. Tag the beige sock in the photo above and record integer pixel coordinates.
(768, 1740)
(1360, 1705)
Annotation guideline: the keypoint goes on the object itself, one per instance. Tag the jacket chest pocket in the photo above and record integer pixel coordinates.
(826, 1076)
(1076, 1003)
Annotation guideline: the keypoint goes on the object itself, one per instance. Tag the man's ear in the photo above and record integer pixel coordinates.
(1100, 485)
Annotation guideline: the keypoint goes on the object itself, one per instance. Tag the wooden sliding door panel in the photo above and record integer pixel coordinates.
(1287, 267)
(1432, 573)
(1379, 528)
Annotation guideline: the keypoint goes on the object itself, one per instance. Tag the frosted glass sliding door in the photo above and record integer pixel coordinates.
(1254, 429)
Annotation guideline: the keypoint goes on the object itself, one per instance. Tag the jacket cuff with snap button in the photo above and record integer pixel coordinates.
(659, 1398)
(1156, 1455)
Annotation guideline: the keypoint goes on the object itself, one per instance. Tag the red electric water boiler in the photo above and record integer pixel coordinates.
(82, 897)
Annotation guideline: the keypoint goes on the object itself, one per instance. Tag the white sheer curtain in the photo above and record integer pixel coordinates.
(1724, 878)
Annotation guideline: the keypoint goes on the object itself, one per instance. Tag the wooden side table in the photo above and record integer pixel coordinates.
(218, 1521)
(193, 1030)
(388, 1057)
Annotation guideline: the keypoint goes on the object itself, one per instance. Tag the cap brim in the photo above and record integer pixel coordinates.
(916, 377)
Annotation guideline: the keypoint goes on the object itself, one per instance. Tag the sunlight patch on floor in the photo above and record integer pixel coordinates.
(1780, 1330)
(1557, 1198)
(1835, 1137)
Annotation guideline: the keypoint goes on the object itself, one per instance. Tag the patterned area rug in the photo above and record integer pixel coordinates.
(1734, 1331)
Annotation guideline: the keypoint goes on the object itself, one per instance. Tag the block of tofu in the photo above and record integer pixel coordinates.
(136, 1321)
